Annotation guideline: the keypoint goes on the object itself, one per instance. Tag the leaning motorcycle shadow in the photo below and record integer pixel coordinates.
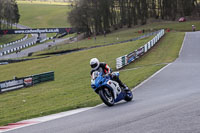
(120, 104)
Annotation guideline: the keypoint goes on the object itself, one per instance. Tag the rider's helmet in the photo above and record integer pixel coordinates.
(94, 63)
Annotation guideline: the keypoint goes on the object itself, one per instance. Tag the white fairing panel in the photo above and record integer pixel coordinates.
(115, 86)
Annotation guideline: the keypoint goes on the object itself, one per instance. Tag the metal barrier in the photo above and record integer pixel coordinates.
(18, 83)
(127, 59)
(12, 43)
(43, 77)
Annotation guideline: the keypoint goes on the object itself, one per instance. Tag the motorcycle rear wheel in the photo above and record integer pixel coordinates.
(129, 96)
(106, 96)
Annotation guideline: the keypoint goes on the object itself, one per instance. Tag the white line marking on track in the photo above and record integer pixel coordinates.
(183, 44)
(162, 68)
(143, 66)
(58, 115)
(48, 118)
(150, 77)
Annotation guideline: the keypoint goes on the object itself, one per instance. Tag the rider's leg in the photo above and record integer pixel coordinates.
(121, 84)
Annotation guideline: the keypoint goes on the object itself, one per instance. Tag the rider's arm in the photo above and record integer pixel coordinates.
(91, 72)
(106, 68)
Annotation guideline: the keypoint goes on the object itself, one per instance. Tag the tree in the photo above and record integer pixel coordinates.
(97, 16)
(9, 13)
(1, 13)
(16, 15)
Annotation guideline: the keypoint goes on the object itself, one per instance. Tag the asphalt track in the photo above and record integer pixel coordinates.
(169, 102)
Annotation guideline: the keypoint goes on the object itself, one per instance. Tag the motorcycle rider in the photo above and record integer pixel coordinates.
(105, 69)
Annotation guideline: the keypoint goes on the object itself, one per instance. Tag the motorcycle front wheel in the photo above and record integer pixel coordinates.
(106, 96)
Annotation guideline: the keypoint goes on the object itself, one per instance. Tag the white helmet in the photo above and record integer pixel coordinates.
(94, 63)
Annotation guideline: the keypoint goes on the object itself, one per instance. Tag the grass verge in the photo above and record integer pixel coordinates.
(43, 2)
(43, 16)
(172, 25)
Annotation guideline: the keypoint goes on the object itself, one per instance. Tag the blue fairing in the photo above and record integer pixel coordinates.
(101, 82)
(120, 97)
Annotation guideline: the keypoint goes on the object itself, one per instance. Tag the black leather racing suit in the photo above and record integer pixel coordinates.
(105, 69)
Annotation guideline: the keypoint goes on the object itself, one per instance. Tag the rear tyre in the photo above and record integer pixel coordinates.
(106, 96)
(129, 96)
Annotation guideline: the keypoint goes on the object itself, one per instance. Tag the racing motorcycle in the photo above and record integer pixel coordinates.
(109, 91)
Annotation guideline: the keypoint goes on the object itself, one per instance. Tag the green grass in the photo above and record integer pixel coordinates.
(172, 25)
(43, 16)
(71, 88)
(10, 38)
(43, 2)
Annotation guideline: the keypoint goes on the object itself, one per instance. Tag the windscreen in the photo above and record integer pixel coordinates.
(95, 74)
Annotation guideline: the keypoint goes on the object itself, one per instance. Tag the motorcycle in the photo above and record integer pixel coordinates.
(109, 91)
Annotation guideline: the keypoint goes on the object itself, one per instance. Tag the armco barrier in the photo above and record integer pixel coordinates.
(16, 49)
(43, 77)
(11, 43)
(19, 83)
(11, 85)
(21, 47)
(126, 59)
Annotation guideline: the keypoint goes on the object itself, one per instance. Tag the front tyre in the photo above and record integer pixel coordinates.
(106, 96)
(129, 96)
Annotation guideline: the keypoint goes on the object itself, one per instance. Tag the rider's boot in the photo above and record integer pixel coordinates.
(123, 85)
